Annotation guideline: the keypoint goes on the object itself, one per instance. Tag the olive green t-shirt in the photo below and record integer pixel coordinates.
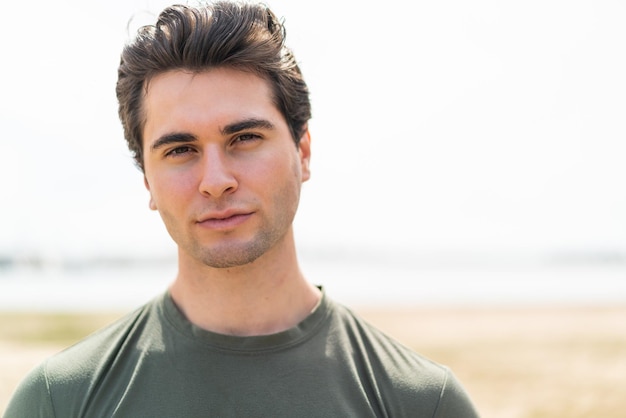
(155, 363)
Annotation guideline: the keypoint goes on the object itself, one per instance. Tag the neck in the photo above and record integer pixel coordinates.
(264, 297)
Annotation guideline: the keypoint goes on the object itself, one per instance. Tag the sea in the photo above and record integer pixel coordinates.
(353, 279)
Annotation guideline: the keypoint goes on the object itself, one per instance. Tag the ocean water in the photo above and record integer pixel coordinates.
(354, 282)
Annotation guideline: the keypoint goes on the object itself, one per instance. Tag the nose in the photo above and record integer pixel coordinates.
(217, 176)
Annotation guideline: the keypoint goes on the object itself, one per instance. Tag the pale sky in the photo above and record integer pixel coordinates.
(438, 126)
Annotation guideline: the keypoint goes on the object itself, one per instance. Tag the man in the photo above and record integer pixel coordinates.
(215, 110)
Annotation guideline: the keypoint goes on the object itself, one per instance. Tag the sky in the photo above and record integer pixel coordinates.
(480, 127)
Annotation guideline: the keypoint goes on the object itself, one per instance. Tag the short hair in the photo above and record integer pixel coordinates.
(242, 36)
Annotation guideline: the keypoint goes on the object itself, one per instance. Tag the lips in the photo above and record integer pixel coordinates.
(224, 220)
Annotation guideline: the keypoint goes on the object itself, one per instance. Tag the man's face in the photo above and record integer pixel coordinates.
(220, 164)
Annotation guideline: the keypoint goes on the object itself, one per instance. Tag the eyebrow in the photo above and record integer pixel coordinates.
(251, 123)
(173, 138)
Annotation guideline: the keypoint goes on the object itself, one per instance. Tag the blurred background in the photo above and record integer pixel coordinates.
(463, 152)
(467, 192)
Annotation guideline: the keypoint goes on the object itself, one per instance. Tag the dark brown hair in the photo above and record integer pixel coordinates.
(243, 36)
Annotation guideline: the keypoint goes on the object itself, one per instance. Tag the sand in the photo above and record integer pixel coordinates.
(521, 362)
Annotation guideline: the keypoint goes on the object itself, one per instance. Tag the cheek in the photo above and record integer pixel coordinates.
(170, 190)
(284, 176)
(290, 178)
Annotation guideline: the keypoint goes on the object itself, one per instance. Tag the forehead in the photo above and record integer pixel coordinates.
(215, 96)
(217, 82)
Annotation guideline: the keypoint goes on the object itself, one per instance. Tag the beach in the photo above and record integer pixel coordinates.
(533, 361)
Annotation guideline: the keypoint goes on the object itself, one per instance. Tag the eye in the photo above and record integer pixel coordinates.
(182, 150)
(247, 137)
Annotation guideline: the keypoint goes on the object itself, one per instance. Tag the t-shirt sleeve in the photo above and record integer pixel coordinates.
(454, 401)
(32, 397)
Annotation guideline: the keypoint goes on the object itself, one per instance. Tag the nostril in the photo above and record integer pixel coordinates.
(216, 183)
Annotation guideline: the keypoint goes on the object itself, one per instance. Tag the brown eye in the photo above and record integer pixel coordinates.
(180, 151)
(247, 138)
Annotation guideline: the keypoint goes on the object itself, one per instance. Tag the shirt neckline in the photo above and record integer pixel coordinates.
(252, 344)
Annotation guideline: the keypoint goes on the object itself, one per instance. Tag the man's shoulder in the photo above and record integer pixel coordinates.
(74, 371)
(400, 372)
(377, 344)
(95, 350)
(81, 363)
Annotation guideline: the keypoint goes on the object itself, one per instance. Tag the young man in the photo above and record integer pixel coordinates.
(215, 111)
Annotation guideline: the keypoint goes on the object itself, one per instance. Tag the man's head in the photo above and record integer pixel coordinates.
(241, 36)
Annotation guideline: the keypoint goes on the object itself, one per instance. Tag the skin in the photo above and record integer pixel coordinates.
(225, 175)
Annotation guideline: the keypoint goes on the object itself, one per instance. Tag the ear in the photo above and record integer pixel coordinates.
(151, 203)
(304, 149)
